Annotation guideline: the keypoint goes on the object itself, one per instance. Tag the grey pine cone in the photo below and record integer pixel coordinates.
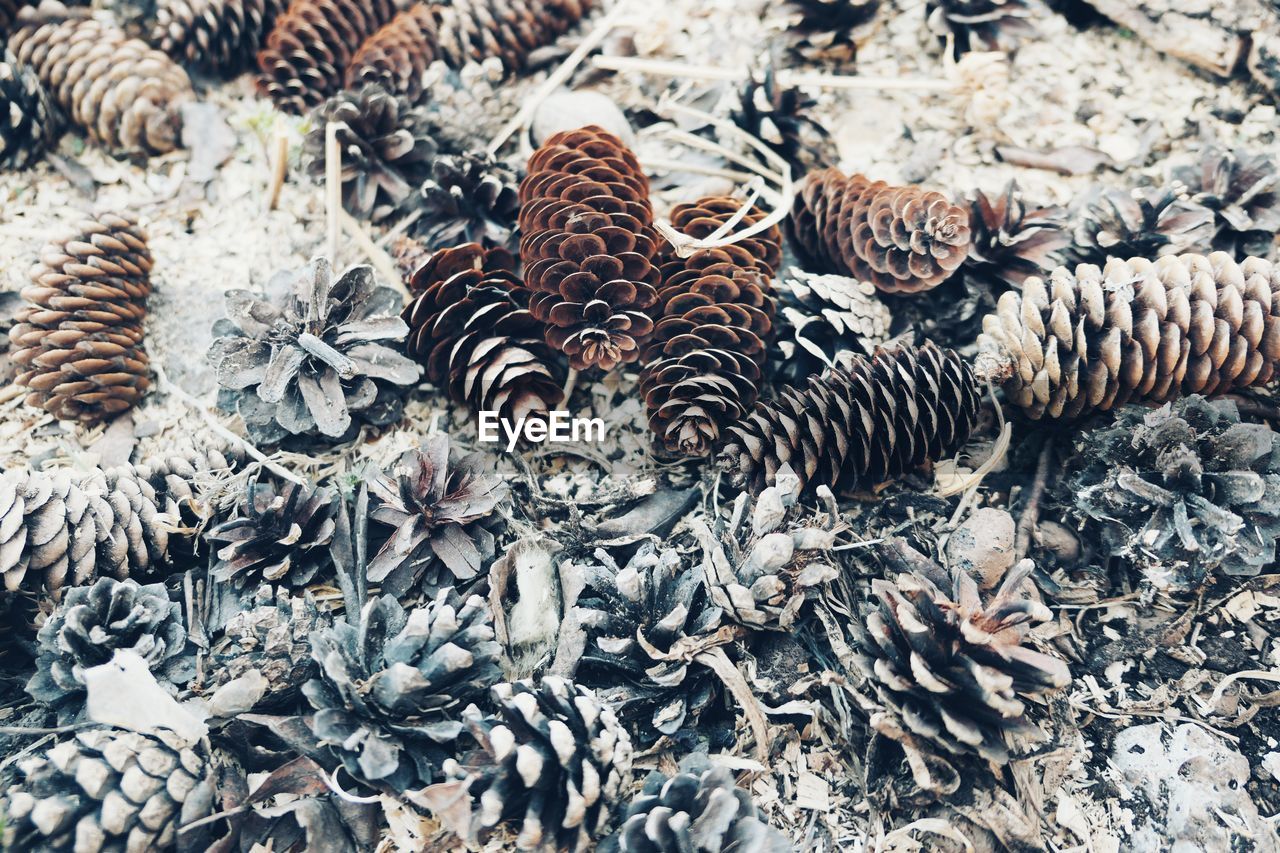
(272, 636)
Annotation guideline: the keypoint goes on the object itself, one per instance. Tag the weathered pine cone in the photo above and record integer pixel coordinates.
(79, 345)
(309, 48)
(272, 636)
(588, 247)
(281, 535)
(779, 117)
(1134, 331)
(950, 669)
(1008, 242)
(823, 316)
(829, 30)
(1113, 223)
(222, 36)
(715, 316)
(470, 326)
(31, 125)
(474, 30)
(553, 760)
(398, 55)
(466, 198)
(901, 239)
(858, 424)
(110, 789)
(1243, 191)
(981, 24)
(124, 94)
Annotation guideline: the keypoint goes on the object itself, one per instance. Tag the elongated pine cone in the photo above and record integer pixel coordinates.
(715, 316)
(901, 239)
(588, 247)
(860, 424)
(29, 125)
(470, 326)
(123, 93)
(474, 30)
(951, 669)
(222, 36)
(398, 55)
(1134, 331)
(79, 344)
(308, 51)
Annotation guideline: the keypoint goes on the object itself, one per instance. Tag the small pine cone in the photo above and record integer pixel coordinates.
(1009, 242)
(860, 424)
(474, 30)
(272, 637)
(79, 344)
(1134, 331)
(553, 760)
(123, 93)
(1112, 223)
(398, 55)
(222, 36)
(715, 314)
(824, 316)
(467, 198)
(110, 789)
(91, 623)
(779, 117)
(901, 239)
(1243, 191)
(981, 24)
(696, 813)
(634, 617)
(470, 327)
(309, 48)
(387, 688)
(281, 536)
(829, 30)
(588, 247)
(385, 143)
(951, 669)
(30, 126)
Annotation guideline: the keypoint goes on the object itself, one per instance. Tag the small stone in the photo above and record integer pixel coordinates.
(1059, 540)
(983, 546)
(567, 110)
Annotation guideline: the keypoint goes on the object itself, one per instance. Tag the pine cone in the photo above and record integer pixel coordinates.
(696, 813)
(981, 24)
(398, 55)
(91, 623)
(273, 637)
(1264, 62)
(9, 11)
(385, 143)
(553, 760)
(474, 30)
(468, 198)
(442, 513)
(1182, 491)
(1009, 242)
(778, 117)
(950, 669)
(588, 247)
(310, 47)
(1134, 331)
(110, 789)
(124, 94)
(824, 316)
(386, 686)
(1111, 223)
(281, 536)
(634, 617)
(315, 366)
(468, 325)
(221, 36)
(901, 239)
(1243, 191)
(80, 342)
(715, 314)
(859, 425)
(30, 126)
(829, 30)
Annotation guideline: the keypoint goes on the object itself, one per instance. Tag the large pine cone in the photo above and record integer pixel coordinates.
(79, 346)
(951, 669)
(222, 36)
(470, 326)
(281, 535)
(1133, 331)
(588, 247)
(466, 198)
(829, 30)
(110, 789)
(30, 126)
(553, 760)
(981, 24)
(124, 94)
(1009, 242)
(823, 316)
(1243, 191)
(274, 638)
(92, 623)
(308, 51)
(398, 55)
(860, 424)
(901, 239)
(715, 309)
(1112, 223)
(474, 30)
(387, 686)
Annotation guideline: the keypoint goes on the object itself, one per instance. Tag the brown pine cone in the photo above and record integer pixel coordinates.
(124, 94)
(715, 313)
(588, 247)
(311, 45)
(222, 36)
(469, 326)
(901, 239)
(398, 55)
(859, 425)
(1133, 331)
(79, 345)
(474, 30)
